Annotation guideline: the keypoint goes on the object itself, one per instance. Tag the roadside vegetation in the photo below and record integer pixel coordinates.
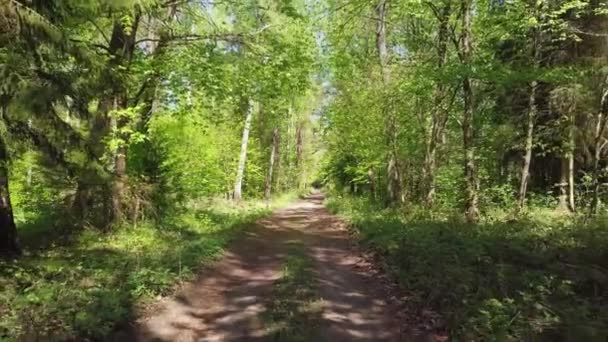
(541, 277)
(90, 284)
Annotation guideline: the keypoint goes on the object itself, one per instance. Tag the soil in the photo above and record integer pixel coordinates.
(229, 297)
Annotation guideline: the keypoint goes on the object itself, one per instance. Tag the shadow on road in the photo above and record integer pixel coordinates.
(229, 299)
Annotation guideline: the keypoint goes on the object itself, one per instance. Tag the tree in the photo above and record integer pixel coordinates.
(439, 112)
(600, 142)
(271, 170)
(393, 172)
(238, 184)
(532, 109)
(468, 130)
(9, 243)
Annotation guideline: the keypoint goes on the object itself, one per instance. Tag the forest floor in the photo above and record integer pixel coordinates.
(295, 276)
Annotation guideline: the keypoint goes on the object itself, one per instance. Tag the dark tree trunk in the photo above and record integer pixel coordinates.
(9, 242)
(81, 204)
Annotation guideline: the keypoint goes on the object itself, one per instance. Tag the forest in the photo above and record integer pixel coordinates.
(464, 144)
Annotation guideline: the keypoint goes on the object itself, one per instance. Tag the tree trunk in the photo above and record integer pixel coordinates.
(439, 116)
(393, 186)
(273, 154)
(301, 168)
(279, 170)
(9, 242)
(470, 170)
(569, 161)
(299, 145)
(238, 184)
(81, 204)
(100, 128)
(571, 181)
(288, 155)
(371, 178)
(530, 121)
(525, 169)
(119, 185)
(601, 120)
(121, 48)
(394, 180)
(381, 11)
(563, 186)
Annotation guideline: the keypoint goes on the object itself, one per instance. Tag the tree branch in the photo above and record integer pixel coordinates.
(25, 131)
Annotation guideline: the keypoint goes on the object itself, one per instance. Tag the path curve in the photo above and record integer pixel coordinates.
(227, 300)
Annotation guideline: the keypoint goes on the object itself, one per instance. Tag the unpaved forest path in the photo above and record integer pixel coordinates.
(228, 301)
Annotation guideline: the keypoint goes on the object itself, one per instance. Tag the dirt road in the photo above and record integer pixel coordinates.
(229, 300)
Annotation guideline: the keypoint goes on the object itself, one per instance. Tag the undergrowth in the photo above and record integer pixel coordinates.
(83, 289)
(542, 277)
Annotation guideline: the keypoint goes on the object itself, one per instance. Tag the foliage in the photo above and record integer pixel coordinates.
(515, 44)
(539, 278)
(89, 286)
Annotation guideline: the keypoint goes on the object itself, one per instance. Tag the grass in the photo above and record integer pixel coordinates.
(85, 288)
(294, 313)
(543, 277)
